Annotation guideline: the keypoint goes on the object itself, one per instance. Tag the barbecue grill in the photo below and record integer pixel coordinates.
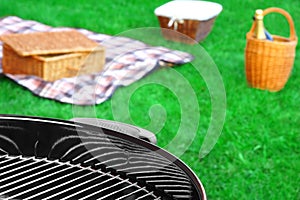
(43, 158)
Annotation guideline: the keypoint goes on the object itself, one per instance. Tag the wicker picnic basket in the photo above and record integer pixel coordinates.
(195, 29)
(51, 55)
(268, 64)
(194, 19)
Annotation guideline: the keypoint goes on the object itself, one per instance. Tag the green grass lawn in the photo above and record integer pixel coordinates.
(257, 155)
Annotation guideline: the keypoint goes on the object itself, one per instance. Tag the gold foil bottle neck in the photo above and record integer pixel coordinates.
(259, 14)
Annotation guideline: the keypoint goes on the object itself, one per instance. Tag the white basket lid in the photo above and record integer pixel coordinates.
(189, 9)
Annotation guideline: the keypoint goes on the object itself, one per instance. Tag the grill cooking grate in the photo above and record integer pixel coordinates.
(63, 160)
(31, 178)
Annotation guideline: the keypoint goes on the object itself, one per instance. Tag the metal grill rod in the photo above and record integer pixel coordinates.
(132, 193)
(146, 195)
(74, 194)
(18, 162)
(53, 188)
(2, 186)
(76, 186)
(124, 196)
(106, 188)
(14, 169)
(15, 175)
(28, 183)
(117, 191)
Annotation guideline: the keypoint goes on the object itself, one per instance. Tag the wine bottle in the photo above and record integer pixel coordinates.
(259, 32)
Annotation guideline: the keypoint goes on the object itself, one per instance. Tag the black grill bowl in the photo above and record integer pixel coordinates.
(42, 158)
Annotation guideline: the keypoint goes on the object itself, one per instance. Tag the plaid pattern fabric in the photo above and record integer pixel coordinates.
(127, 61)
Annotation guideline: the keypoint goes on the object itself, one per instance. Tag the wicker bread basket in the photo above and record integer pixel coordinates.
(51, 55)
(191, 18)
(268, 64)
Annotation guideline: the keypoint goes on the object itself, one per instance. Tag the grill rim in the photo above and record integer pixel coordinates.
(172, 158)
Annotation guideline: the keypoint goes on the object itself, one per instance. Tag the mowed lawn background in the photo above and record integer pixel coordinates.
(257, 154)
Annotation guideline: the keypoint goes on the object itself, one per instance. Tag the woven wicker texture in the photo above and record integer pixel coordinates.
(43, 43)
(268, 64)
(51, 55)
(52, 68)
(195, 29)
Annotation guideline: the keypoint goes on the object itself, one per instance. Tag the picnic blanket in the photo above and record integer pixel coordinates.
(127, 60)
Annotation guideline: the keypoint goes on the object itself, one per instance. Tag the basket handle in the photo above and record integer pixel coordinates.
(285, 14)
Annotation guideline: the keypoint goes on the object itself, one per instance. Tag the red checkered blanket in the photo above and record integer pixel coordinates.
(127, 61)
